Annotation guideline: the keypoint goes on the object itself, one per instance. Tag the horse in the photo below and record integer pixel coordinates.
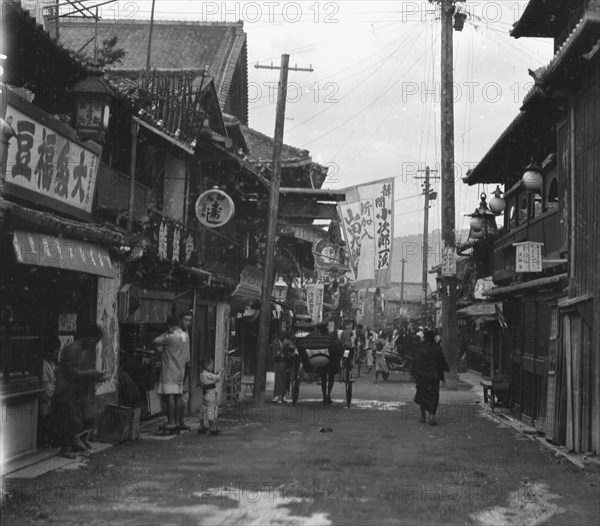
(321, 353)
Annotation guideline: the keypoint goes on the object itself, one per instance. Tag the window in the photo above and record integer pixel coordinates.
(523, 210)
(537, 207)
(552, 195)
(511, 215)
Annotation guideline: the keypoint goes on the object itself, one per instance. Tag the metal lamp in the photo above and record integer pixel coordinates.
(483, 222)
(280, 289)
(92, 108)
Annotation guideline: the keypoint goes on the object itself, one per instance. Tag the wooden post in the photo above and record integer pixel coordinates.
(133, 160)
(449, 296)
(149, 51)
(402, 285)
(260, 379)
(425, 245)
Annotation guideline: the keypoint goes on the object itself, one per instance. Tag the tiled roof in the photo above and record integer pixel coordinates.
(261, 149)
(175, 45)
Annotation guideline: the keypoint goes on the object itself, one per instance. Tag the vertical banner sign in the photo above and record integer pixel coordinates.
(317, 313)
(529, 257)
(448, 262)
(357, 220)
(310, 298)
(377, 271)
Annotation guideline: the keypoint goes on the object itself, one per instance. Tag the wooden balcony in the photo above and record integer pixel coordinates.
(543, 229)
(113, 192)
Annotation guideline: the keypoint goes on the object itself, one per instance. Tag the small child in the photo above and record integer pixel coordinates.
(210, 398)
(380, 364)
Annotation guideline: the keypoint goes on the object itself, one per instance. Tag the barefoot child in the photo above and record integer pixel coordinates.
(210, 398)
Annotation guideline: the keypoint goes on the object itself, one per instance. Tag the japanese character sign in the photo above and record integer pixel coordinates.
(528, 257)
(173, 241)
(44, 165)
(375, 255)
(359, 227)
(214, 208)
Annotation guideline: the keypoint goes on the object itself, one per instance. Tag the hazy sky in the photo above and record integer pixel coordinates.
(370, 109)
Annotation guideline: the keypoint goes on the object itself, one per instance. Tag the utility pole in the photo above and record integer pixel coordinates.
(260, 379)
(149, 51)
(449, 296)
(428, 196)
(402, 285)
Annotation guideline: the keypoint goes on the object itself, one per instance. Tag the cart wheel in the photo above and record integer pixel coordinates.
(348, 393)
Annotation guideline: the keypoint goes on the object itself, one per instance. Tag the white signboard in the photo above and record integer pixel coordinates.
(359, 230)
(529, 257)
(376, 253)
(315, 293)
(47, 167)
(448, 262)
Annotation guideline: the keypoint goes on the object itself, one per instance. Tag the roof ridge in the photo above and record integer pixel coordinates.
(138, 21)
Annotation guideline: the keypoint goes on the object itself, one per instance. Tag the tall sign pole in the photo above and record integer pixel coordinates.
(449, 295)
(260, 379)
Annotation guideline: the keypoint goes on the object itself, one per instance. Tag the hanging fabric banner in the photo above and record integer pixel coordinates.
(375, 255)
(359, 230)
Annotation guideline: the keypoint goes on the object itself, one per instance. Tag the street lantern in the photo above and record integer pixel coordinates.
(459, 20)
(280, 289)
(483, 222)
(497, 203)
(92, 108)
(532, 178)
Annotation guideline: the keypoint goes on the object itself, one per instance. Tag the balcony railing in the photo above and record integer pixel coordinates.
(542, 229)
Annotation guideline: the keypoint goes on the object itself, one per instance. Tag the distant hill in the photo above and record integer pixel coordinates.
(410, 248)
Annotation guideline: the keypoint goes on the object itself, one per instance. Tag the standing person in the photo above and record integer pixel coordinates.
(209, 411)
(71, 394)
(186, 327)
(380, 365)
(282, 350)
(428, 370)
(175, 353)
(51, 349)
(369, 344)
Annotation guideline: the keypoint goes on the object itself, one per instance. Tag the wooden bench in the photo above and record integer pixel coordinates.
(247, 382)
(490, 391)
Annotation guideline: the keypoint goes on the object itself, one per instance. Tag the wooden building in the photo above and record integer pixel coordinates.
(61, 263)
(553, 313)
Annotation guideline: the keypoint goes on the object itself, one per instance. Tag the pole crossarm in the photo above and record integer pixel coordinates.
(295, 68)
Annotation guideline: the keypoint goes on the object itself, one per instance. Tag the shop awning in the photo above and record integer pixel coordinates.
(550, 281)
(480, 310)
(49, 251)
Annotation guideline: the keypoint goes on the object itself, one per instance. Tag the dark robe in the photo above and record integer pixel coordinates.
(428, 370)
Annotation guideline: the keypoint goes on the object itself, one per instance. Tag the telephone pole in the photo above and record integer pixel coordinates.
(429, 195)
(260, 380)
(449, 296)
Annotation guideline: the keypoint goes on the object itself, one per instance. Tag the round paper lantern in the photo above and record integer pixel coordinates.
(497, 203)
(476, 223)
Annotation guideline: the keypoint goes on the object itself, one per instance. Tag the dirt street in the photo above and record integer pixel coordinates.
(312, 464)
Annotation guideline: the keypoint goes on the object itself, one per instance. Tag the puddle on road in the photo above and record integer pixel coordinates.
(377, 405)
(528, 506)
(255, 507)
